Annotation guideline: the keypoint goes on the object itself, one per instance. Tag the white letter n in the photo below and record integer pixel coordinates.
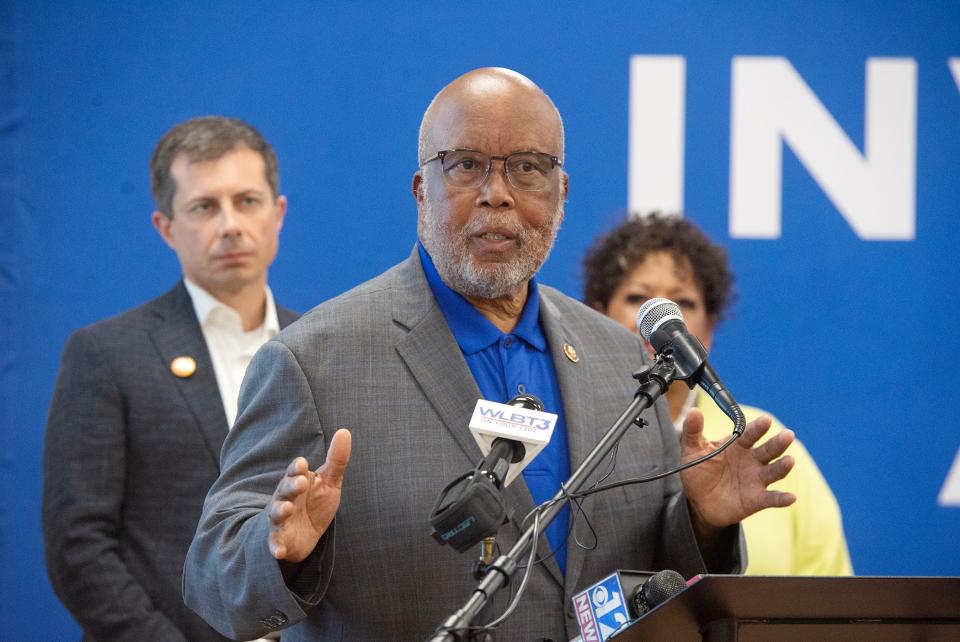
(875, 191)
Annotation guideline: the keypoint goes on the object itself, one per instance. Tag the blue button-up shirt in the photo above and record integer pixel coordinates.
(505, 365)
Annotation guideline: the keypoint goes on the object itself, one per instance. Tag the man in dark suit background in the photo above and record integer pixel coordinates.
(144, 400)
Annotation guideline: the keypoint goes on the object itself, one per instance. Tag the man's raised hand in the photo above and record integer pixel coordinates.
(305, 502)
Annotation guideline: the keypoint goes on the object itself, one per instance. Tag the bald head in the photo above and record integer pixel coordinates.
(500, 100)
(488, 238)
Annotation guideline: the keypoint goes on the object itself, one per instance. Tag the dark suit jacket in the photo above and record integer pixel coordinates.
(130, 452)
(381, 361)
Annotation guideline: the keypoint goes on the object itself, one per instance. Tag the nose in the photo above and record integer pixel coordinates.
(495, 191)
(229, 221)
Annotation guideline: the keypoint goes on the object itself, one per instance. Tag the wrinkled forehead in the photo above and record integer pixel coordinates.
(495, 116)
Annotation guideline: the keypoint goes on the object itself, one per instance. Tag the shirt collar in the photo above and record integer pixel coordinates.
(204, 305)
(472, 331)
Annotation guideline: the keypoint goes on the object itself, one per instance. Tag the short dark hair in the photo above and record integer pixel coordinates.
(201, 139)
(614, 255)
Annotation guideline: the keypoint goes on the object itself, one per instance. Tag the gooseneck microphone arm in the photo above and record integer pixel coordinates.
(654, 381)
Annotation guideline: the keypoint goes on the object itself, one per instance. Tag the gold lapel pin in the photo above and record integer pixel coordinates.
(183, 367)
(570, 352)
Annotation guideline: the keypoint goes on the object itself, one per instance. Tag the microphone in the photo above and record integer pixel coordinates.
(510, 435)
(658, 589)
(471, 508)
(660, 322)
(604, 608)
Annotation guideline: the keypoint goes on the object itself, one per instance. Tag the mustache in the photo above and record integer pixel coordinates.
(487, 220)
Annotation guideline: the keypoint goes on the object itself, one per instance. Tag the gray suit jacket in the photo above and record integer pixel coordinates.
(381, 361)
(130, 453)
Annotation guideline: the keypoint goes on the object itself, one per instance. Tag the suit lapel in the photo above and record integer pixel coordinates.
(433, 356)
(578, 408)
(435, 361)
(178, 334)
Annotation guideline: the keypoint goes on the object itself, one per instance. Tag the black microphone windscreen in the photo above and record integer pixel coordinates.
(656, 590)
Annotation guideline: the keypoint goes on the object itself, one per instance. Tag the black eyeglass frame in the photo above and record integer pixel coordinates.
(554, 162)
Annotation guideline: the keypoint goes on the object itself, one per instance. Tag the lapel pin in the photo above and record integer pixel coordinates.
(183, 367)
(570, 352)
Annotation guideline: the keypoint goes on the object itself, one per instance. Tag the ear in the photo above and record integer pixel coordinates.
(599, 307)
(417, 187)
(281, 211)
(161, 223)
(566, 185)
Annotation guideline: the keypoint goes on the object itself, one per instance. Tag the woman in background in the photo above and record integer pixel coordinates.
(668, 256)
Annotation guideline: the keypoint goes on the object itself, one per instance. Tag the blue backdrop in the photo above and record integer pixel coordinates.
(847, 340)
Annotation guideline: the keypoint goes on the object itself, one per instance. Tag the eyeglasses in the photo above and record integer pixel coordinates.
(526, 171)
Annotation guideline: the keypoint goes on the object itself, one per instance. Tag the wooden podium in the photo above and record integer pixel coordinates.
(724, 608)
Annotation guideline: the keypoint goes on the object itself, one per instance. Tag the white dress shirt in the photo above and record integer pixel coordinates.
(230, 347)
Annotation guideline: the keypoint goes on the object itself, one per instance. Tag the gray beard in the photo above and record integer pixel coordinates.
(457, 267)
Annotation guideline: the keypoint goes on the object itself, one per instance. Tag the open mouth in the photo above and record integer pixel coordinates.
(491, 242)
(495, 240)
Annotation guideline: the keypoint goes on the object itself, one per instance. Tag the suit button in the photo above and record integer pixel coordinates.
(274, 621)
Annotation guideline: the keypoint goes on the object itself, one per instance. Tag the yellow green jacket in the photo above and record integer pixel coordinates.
(803, 539)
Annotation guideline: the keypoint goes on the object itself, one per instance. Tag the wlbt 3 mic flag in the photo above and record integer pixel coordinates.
(532, 428)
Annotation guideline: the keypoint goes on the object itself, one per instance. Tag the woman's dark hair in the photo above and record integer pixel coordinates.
(614, 255)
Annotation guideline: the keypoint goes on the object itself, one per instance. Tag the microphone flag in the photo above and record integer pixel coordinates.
(601, 609)
(532, 428)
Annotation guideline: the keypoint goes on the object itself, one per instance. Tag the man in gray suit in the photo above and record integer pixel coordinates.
(144, 400)
(400, 361)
